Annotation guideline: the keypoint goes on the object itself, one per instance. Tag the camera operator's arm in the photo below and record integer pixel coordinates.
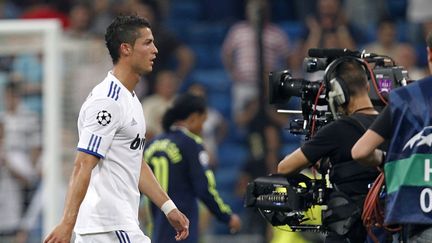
(365, 152)
(293, 163)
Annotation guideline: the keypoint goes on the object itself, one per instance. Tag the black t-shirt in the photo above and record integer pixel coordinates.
(335, 141)
(382, 125)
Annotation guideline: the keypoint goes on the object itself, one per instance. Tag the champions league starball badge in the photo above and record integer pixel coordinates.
(103, 118)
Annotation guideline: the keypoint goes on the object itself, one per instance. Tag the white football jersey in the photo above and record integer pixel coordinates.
(111, 126)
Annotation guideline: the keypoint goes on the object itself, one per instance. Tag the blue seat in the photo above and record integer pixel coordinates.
(402, 29)
(288, 148)
(370, 33)
(232, 155)
(288, 137)
(235, 135)
(207, 33)
(220, 102)
(402, 32)
(397, 8)
(221, 9)
(282, 10)
(293, 29)
(178, 27)
(215, 80)
(185, 10)
(207, 56)
(226, 178)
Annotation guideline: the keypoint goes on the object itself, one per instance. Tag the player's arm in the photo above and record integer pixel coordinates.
(78, 185)
(211, 197)
(293, 163)
(100, 119)
(204, 184)
(151, 188)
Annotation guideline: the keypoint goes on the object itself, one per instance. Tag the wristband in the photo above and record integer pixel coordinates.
(168, 206)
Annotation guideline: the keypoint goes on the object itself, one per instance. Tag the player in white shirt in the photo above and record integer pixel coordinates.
(109, 173)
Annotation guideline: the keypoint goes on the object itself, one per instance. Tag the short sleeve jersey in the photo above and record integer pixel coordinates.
(335, 141)
(111, 126)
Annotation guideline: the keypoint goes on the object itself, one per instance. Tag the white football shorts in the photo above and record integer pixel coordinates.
(118, 236)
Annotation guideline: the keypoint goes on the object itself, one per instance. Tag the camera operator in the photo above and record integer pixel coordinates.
(406, 123)
(335, 140)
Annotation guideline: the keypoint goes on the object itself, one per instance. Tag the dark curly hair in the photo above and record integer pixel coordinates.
(183, 106)
(123, 29)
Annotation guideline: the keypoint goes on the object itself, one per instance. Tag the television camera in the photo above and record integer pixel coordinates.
(285, 200)
(318, 103)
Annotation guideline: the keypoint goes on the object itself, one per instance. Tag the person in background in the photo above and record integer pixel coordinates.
(156, 104)
(215, 127)
(20, 149)
(181, 165)
(329, 20)
(240, 54)
(406, 57)
(263, 142)
(80, 19)
(387, 42)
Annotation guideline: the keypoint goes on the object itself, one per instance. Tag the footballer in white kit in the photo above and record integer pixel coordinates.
(109, 173)
(111, 126)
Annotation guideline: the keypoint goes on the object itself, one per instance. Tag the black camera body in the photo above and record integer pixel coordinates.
(316, 105)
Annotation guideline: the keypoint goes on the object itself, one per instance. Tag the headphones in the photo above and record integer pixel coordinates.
(338, 92)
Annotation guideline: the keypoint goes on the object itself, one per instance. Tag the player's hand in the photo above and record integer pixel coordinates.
(180, 223)
(234, 224)
(61, 234)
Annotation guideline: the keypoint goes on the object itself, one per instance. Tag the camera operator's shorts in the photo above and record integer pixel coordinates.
(118, 236)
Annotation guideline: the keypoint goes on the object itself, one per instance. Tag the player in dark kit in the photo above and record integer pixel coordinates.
(180, 163)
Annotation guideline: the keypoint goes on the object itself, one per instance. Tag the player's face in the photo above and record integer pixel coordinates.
(144, 52)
